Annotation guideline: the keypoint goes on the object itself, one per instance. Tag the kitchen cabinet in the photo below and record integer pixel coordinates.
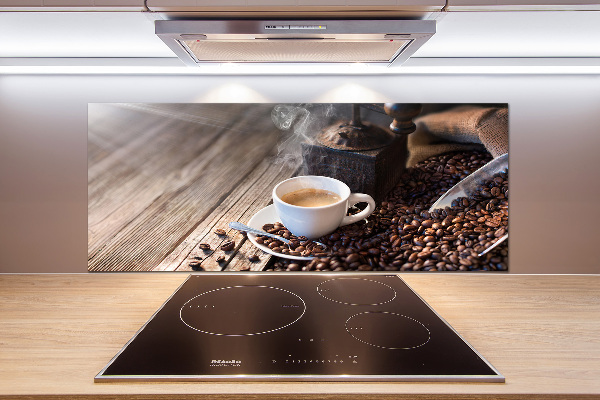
(520, 5)
(122, 5)
(540, 331)
(327, 5)
(338, 5)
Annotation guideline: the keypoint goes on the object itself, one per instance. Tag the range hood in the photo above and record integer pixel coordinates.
(383, 42)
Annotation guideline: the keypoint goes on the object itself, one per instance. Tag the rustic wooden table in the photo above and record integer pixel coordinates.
(163, 177)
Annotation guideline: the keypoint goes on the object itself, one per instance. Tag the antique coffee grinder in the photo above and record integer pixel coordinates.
(368, 158)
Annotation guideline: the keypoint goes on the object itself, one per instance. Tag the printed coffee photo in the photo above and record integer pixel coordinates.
(298, 187)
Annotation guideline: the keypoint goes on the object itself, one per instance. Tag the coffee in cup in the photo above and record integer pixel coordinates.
(311, 197)
(314, 206)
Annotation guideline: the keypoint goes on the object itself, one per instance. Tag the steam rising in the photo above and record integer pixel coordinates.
(301, 123)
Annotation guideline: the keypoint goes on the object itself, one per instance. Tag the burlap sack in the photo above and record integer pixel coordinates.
(459, 129)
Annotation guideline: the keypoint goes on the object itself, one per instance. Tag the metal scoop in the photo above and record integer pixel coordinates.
(469, 184)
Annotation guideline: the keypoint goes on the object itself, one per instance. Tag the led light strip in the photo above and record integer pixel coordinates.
(103, 70)
(415, 66)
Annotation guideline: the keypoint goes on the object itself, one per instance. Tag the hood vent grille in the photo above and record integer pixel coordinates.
(295, 50)
(389, 42)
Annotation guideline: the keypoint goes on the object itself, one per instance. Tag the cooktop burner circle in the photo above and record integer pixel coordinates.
(356, 291)
(242, 310)
(388, 330)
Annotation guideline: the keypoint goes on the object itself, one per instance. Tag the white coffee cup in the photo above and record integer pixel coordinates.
(314, 222)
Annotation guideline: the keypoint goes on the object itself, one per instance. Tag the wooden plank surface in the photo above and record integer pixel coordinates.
(162, 177)
(249, 196)
(540, 331)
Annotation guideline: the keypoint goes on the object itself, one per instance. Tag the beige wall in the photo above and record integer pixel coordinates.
(554, 144)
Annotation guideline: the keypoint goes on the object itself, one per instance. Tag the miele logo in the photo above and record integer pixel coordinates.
(225, 363)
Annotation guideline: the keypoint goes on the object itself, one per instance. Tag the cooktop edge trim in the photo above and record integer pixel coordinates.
(300, 378)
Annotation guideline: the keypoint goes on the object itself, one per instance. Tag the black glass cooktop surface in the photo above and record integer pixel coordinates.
(297, 327)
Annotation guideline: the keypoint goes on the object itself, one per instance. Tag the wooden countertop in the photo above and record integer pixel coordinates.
(542, 332)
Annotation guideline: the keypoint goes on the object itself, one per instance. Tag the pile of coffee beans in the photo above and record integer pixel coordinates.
(298, 246)
(402, 235)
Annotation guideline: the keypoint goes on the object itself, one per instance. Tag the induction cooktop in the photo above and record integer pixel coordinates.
(290, 327)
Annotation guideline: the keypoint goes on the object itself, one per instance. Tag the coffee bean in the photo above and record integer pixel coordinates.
(254, 258)
(204, 246)
(293, 267)
(352, 258)
(220, 259)
(492, 223)
(228, 245)
(220, 232)
(195, 265)
(465, 261)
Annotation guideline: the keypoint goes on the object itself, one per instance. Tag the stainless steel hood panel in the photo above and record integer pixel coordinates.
(389, 42)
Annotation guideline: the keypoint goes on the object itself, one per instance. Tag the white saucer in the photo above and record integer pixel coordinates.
(268, 215)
